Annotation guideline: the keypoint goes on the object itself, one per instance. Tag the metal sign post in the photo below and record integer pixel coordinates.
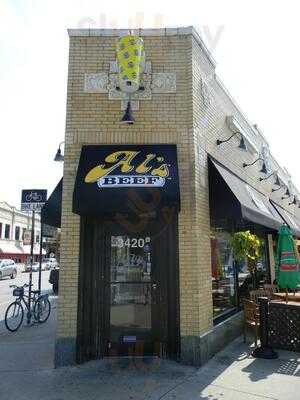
(33, 200)
(30, 273)
(41, 254)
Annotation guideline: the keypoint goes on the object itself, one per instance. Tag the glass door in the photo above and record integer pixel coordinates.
(128, 290)
(132, 295)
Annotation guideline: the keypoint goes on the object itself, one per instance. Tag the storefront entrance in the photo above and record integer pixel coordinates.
(133, 296)
(128, 288)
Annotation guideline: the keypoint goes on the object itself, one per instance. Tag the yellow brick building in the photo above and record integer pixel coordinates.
(189, 311)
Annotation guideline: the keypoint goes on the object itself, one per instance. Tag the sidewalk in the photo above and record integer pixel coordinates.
(26, 372)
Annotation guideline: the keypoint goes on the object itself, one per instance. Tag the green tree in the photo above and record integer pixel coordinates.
(246, 247)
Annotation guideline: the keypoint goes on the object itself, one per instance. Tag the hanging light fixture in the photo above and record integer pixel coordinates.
(242, 145)
(280, 186)
(294, 201)
(128, 117)
(263, 169)
(274, 173)
(59, 156)
(277, 181)
(286, 195)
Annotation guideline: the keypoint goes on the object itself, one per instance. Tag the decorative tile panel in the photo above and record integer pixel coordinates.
(163, 82)
(96, 83)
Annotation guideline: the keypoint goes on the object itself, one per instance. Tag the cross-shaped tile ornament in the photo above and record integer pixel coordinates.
(103, 82)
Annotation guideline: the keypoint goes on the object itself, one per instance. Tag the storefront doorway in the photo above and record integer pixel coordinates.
(128, 288)
(133, 295)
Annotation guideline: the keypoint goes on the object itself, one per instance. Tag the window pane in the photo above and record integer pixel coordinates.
(17, 233)
(130, 259)
(223, 276)
(7, 231)
(246, 281)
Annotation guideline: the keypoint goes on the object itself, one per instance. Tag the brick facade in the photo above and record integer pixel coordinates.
(184, 118)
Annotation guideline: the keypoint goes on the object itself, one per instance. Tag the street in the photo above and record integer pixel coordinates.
(6, 296)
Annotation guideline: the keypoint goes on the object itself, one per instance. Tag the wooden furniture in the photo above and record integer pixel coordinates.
(294, 297)
(251, 318)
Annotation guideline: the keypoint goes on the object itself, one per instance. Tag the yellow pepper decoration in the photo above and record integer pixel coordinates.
(131, 62)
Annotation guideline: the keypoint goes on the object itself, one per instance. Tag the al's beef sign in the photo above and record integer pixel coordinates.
(107, 173)
(152, 171)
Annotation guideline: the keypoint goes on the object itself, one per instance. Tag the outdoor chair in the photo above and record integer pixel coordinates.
(251, 318)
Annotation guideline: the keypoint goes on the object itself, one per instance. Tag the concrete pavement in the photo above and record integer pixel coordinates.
(26, 372)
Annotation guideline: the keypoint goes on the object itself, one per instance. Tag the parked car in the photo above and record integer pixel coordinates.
(8, 268)
(54, 279)
(35, 267)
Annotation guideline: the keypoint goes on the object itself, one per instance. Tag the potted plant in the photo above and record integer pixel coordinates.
(246, 246)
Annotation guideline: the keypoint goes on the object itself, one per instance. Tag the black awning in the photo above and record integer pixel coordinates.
(292, 221)
(130, 179)
(51, 212)
(254, 206)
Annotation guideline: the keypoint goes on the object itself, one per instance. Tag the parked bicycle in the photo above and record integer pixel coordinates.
(40, 309)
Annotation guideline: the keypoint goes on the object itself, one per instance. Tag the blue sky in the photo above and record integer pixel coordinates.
(255, 44)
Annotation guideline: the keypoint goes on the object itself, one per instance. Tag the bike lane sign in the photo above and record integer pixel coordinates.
(33, 199)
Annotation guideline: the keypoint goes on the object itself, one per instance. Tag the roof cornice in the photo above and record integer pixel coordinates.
(188, 30)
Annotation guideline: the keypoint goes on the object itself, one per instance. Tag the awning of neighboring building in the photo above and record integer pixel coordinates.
(51, 212)
(292, 221)
(130, 179)
(11, 248)
(36, 250)
(254, 206)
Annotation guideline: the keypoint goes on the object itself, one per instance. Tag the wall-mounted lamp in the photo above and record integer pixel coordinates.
(280, 187)
(128, 117)
(59, 156)
(294, 201)
(274, 173)
(286, 195)
(242, 144)
(263, 169)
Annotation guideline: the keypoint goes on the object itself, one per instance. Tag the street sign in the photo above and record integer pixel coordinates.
(33, 199)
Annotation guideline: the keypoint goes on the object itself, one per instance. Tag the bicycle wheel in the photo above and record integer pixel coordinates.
(14, 316)
(42, 309)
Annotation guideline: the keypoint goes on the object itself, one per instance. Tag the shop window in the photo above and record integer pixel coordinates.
(17, 233)
(7, 231)
(223, 275)
(248, 282)
(231, 281)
